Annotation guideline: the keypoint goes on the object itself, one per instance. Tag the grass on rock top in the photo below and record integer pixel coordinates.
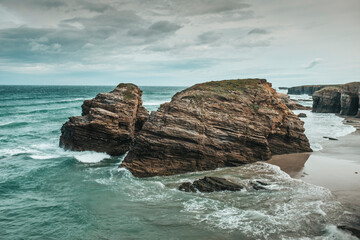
(128, 93)
(228, 85)
(222, 90)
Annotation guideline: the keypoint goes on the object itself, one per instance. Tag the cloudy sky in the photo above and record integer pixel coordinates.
(178, 42)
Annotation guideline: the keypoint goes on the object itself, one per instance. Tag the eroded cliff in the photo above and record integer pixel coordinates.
(343, 99)
(216, 124)
(109, 122)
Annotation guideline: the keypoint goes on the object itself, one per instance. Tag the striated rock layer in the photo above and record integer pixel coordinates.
(109, 122)
(216, 124)
(343, 99)
(307, 89)
(216, 184)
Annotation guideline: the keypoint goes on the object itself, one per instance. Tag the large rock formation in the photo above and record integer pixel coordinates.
(216, 124)
(327, 100)
(291, 104)
(109, 122)
(307, 89)
(343, 99)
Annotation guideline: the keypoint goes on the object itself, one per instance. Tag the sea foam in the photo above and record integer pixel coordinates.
(90, 157)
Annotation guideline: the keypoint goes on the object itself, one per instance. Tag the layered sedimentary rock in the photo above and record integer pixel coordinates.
(216, 124)
(217, 184)
(307, 89)
(327, 100)
(343, 99)
(291, 104)
(210, 184)
(109, 122)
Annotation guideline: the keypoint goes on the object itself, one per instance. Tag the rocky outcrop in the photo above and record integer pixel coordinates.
(216, 124)
(343, 99)
(216, 184)
(210, 184)
(354, 231)
(109, 122)
(302, 115)
(307, 89)
(291, 104)
(349, 103)
(327, 100)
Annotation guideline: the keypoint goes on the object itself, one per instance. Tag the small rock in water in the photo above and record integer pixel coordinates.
(330, 138)
(352, 230)
(257, 186)
(187, 187)
(216, 184)
(210, 184)
(302, 115)
(262, 183)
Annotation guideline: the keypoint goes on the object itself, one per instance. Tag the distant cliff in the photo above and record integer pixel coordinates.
(343, 99)
(307, 89)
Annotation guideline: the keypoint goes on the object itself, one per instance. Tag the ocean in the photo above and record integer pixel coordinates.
(49, 193)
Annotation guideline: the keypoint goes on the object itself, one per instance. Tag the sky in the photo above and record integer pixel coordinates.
(178, 42)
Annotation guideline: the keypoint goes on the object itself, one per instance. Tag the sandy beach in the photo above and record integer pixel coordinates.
(335, 167)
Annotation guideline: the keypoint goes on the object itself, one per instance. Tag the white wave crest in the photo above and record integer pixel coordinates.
(90, 157)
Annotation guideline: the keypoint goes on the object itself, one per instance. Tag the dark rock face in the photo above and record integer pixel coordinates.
(291, 104)
(216, 124)
(109, 122)
(352, 230)
(327, 100)
(216, 184)
(307, 89)
(343, 99)
(349, 103)
(210, 184)
(302, 115)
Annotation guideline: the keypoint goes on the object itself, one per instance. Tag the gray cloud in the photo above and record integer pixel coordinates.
(95, 6)
(156, 30)
(253, 43)
(201, 7)
(313, 63)
(208, 37)
(38, 3)
(258, 31)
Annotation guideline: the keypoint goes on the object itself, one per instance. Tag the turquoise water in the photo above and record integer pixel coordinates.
(49, 193)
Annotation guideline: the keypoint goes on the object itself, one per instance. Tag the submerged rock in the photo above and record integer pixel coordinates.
(109, 122)
(216, 184)
(210, 184)
(352, 230)
(302, 115)
(216, 124)
(291, 104)
(330, 138)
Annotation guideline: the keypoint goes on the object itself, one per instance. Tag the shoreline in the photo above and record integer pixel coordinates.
(335, 167)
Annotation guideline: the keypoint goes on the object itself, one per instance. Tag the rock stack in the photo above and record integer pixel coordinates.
(109, 122)
(216, 124)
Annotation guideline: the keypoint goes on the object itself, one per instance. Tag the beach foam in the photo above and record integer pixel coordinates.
(320, 125)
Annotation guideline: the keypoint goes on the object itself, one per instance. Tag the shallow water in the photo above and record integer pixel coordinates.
(49, 193)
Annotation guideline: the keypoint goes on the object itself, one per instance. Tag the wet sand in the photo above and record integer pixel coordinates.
(336, 167)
